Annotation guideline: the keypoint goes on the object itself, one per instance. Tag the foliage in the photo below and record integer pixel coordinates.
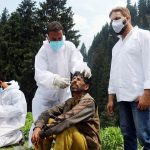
(111, 139)
(27, 126)
(83, 52)
(25, 131)
(4, 16)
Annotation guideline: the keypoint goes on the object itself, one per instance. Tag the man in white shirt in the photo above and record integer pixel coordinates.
(130, 79)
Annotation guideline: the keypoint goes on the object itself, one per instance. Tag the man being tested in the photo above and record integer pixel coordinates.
(75, 122)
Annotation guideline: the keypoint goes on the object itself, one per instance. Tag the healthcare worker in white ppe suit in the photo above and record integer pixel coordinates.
(13, 110)
(54, 62)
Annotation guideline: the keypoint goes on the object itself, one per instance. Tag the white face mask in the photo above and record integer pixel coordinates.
(117, 25)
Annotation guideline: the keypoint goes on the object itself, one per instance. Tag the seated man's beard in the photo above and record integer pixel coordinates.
(77, 89)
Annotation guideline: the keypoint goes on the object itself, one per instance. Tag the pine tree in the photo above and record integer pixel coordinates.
(30, 42)
(148, 7)
(91, 51)
(83, 52)
(142, 17)
(142, 7)
(128, 2)
(3, 44)
(22, 43)
(148, 13)
(4, 16)
(133, 12)
(3, 36)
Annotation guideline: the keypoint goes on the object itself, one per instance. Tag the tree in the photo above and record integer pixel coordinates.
(94, 45)
(21, 38)
(30, 41)
(142, 17)
(56, 10)
(3, 44)
(133, 11)
(4, 16)
(148, 7)
(83, 52)
(128, 2)
(142, 7)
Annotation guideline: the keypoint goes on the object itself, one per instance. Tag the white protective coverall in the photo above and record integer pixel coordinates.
(48, 63)
(13, 110)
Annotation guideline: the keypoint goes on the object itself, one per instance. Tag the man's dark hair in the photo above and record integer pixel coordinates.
(54, 26)
(86, 80)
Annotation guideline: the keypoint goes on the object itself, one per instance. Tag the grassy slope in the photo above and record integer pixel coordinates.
(111, 137)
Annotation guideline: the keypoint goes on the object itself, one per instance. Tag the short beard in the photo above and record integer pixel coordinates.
(78, 90)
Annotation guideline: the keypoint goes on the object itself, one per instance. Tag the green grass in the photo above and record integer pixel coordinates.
(111, 137)
(25, 131)
(16, 147)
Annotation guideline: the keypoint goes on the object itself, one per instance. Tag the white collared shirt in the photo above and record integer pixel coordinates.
(130, 66)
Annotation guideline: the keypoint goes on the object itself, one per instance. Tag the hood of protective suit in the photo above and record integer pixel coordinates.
(12, 85)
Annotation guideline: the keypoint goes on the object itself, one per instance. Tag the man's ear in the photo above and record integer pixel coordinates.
(86, 87)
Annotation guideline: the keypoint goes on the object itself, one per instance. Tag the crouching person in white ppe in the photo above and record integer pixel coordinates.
(54, 62)
(13, 110)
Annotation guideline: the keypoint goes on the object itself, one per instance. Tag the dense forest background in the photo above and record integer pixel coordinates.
(23, 31)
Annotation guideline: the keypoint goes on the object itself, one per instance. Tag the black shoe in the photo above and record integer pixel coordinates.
(21, 142)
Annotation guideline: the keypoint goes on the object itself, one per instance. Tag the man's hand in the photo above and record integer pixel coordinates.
(35, 136)
(110, 105)
(51, 123)
(144, 101)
